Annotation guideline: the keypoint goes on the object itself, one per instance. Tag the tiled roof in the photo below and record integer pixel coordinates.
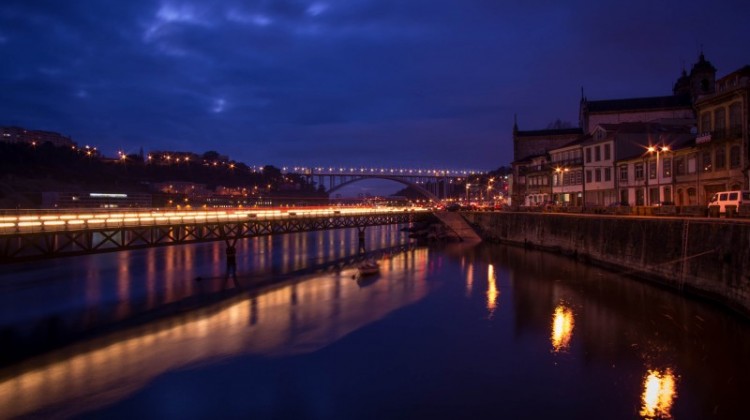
(645, 127)
(549, 132)
(632, 104)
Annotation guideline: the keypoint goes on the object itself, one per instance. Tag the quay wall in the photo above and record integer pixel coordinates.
(707, 257)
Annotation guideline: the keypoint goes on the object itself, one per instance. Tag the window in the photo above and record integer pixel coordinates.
(607, 174)
(652, 169)
(598, 175)
(692, 165)
(666, 169)
(578, 180)
(597, 153)
(638, 171)
(705, 122)
(588, 155)
(679, 166)
(720, 122)
(734, 157)
(668, 195)
(706, 161)
(653, 196)
(555, 179)
(721, 158)
(588, 176)
(639, 197)
(607, 152)
(735, 119)
(624, 173)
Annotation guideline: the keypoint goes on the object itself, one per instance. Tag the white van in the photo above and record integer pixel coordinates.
(729, 198)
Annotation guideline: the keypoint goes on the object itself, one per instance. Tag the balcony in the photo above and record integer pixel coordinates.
(733, 132)
(569, 163)
(525, 170)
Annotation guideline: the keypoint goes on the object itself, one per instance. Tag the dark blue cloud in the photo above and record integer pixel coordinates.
(431, 83)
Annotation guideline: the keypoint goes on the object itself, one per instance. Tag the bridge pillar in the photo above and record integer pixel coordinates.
(231, 253)
(361, 237)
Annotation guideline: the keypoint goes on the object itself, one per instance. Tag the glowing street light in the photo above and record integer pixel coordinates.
(658, 150)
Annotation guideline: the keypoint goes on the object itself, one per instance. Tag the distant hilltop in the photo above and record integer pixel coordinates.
(14, 134)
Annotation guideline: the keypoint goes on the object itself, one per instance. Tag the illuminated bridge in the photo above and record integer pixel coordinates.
(432, 183)
(49, 235)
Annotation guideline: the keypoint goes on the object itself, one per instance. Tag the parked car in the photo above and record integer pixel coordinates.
(453, 207)
(729, 198)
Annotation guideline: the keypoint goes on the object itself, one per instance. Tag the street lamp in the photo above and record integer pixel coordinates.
(657, 150)
(560, 177)
(467, 192)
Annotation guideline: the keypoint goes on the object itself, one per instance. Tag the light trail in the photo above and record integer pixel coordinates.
(72, 220)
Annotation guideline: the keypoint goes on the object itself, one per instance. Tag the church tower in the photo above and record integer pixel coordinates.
(682, 86)
(702, 78)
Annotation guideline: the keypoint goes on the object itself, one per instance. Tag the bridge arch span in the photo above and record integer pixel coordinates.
(402, 181)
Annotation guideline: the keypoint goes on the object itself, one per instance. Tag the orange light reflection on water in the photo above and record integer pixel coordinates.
(492, 291)
(291, 319)
(659, 393)
(562, 328)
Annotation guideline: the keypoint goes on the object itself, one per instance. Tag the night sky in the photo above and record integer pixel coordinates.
(404, 83)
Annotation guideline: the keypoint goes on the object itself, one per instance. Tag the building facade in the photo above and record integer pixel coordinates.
(679, 149)
(566, 164)
(531, 162)
(723, 145)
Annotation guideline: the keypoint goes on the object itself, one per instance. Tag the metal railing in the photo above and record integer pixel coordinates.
(31, 221)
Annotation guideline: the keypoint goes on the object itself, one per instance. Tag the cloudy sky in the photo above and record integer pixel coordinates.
(427, 83)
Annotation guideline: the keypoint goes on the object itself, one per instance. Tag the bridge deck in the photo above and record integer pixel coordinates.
(37, 237)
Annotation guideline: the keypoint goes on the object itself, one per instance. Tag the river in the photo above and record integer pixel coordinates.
(447, 331)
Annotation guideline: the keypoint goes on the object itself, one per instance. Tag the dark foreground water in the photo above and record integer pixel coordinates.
(444, 332)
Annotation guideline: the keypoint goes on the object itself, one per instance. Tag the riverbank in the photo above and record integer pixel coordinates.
(705, 257)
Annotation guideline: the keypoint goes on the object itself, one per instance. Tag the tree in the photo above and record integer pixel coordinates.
(271, 173)
(211, 155)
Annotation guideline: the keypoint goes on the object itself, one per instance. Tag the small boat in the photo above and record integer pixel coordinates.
(368, 268)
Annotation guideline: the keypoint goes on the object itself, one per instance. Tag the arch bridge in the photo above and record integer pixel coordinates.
(435, 184)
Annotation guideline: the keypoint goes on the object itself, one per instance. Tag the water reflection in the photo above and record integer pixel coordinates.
(469, 276)
(562, 328)
(431, 343)
(659, 392)
(296, 318)
(42, 305)
(492, 291)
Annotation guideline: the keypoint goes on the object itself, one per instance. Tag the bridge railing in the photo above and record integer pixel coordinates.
(28, 223)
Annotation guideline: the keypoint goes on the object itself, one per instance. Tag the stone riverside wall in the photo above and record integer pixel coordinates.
(708, 257)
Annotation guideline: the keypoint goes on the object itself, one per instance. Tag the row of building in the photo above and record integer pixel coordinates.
(677, 149)
(13, 134)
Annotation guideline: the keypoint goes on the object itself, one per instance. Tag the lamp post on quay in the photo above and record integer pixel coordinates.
(560, 181)
(489, 190)
(657, 150)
